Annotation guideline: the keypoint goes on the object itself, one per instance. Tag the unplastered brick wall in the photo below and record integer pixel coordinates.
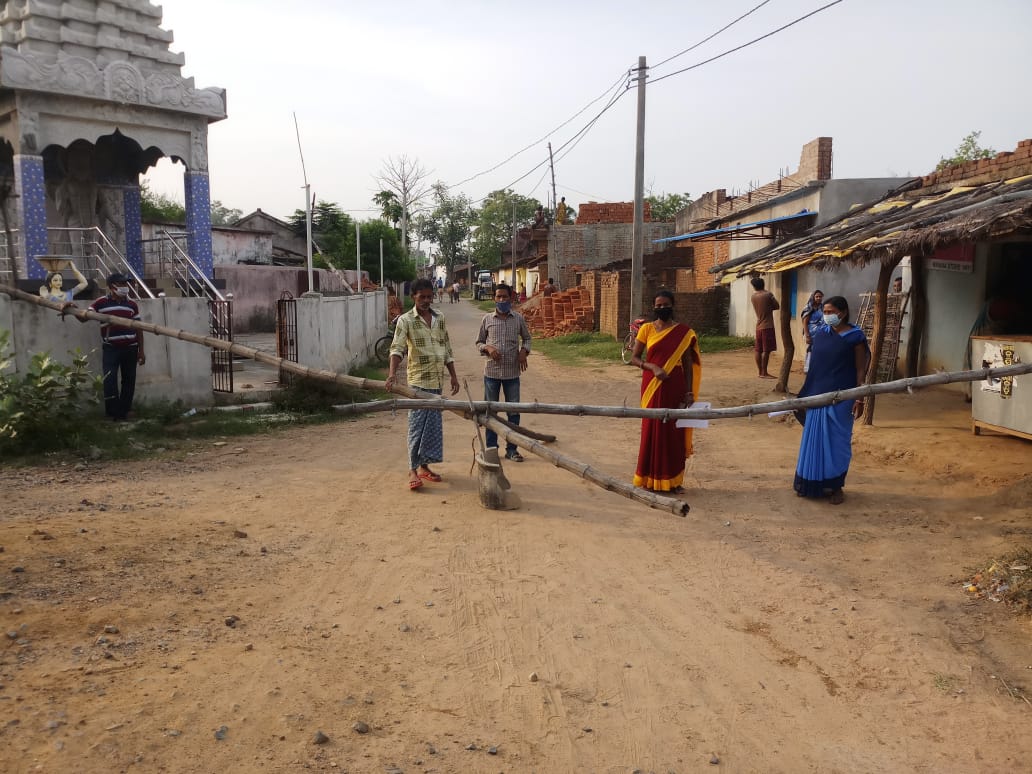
(709, 253)
(1003, 166)
(704, 310)
(583, 247)
(610, 212)
(815, 163)
(614, 303)
(592, 282)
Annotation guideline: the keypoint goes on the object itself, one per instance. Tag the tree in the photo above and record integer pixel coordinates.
(390, 207)
(222, 215)
(968, 150)
(493, 223)
(159, 208)
(332, 228)
(448, 225)
(406, 178)
(396, 266)
(666, 206)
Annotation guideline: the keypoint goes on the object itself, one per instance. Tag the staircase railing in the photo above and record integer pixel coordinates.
(185, 272)
(95, 254)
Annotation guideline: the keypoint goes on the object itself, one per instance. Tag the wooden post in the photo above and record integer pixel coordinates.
(878, 333)
(918, 314)
(788, 345)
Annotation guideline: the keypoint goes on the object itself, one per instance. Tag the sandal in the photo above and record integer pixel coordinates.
(837, 497)
(429, 475)
(415, 483)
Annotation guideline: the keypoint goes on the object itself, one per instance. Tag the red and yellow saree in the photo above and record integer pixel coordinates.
(664, 446)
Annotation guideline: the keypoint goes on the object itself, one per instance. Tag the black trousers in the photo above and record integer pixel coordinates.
(118, 394)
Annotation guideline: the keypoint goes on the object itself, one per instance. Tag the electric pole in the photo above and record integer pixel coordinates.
(551, 166)
(638, 226)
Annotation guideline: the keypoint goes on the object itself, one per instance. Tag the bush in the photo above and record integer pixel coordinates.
(42, 409)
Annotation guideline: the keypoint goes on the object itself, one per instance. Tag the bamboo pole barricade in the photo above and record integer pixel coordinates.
(482, 412)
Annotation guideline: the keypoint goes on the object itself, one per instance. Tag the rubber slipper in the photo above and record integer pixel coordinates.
(430, 476)
(415, 484)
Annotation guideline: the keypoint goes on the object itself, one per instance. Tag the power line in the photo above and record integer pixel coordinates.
(623, 77)
(709, 38)
(574, 139)
(746, 45)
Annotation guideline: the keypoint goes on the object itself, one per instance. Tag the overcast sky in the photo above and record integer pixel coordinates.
(463, 85)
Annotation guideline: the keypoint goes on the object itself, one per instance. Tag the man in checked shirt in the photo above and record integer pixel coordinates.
(420, 333)
(504, 339)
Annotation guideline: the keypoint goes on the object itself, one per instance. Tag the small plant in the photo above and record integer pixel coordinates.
(310, 396)
(43, 408)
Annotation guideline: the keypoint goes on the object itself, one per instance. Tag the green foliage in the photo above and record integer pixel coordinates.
(332, 228)
(968, 150)
(588, 348)
(222, 215)
(666, 206)
(493, 223)
(43, 408)
(448, 225)
(159, 208)
(390, 207)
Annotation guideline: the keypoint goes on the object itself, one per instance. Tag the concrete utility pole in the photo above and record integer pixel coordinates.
(358, 254)
(551, 166)
(638, 226)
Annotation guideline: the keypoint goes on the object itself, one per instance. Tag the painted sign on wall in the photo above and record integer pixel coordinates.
(955, 258)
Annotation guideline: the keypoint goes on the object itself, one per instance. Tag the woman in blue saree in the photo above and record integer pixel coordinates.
(811, 318)
(838, 361)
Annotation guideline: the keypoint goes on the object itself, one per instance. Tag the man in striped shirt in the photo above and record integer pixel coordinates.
(504, 339)
(420, 333)
(123, 347)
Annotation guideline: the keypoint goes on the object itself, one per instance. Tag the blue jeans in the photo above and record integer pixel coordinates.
(511, 388)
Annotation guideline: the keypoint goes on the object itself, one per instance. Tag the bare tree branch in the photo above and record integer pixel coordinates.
(407, 179)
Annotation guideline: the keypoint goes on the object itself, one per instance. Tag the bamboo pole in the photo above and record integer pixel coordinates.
(585, 471)
(750, 410)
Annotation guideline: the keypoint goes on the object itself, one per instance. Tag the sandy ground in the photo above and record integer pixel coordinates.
(212, 610)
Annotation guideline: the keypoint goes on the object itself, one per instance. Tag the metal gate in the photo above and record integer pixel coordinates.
(220, 323)
(286, 331)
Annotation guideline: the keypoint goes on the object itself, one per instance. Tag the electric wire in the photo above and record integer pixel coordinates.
(746, 45)
(574, 139)
(623, 77)
(727, 26)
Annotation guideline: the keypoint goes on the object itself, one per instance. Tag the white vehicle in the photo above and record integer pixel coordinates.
(484, 286)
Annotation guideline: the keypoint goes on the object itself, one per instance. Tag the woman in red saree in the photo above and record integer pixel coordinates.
(667, 352)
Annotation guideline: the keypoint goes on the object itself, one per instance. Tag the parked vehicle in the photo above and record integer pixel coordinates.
(484, 286)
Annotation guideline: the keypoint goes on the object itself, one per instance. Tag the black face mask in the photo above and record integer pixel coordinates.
(664, 313)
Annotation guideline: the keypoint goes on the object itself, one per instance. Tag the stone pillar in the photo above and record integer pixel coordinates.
(198, 219)
(133, 231)
(31, 211)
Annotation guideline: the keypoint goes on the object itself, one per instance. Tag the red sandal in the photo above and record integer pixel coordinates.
(430, 476)
(415, 484)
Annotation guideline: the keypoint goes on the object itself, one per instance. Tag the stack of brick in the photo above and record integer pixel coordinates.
(1003, 166)
(561, 313)
(611, 212)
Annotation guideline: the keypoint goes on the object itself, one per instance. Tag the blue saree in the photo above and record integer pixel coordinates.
(826, 447)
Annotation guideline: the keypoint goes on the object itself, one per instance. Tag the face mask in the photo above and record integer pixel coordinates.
(832, 320)
(122, 292)
(664, 313)
(503, 306)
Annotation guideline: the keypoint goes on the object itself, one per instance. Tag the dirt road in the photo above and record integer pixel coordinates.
(211, 610)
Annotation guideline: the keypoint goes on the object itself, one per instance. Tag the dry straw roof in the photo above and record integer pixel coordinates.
(910, 223)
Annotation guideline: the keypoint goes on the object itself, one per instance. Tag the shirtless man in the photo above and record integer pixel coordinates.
(765, 305)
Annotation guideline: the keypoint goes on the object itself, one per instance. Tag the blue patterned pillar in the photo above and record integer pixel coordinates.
(31, 209)
(198, 219)
(133, 231)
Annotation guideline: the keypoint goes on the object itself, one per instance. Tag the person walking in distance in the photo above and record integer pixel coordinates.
(504, 339)
(122, 348)
(421, 334)
(765, 305)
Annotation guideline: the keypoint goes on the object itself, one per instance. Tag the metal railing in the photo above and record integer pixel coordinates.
(94, 254)
(167, 258)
